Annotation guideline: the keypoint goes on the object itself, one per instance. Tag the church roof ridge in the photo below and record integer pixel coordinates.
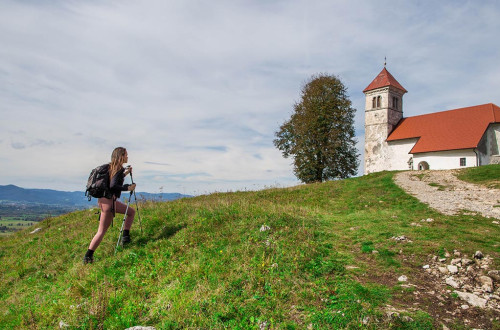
(486, 106)
(383, 79)
(454, 129)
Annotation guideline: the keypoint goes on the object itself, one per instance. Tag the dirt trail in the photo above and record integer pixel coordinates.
(443, 191)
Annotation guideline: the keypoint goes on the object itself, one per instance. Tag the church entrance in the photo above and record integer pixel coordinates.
(423, 166)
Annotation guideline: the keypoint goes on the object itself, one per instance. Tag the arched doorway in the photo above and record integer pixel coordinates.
(423, 166)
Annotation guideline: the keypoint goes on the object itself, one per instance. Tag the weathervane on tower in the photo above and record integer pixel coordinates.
(385, 61)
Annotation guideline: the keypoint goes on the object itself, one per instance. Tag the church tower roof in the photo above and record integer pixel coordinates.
(384, 79)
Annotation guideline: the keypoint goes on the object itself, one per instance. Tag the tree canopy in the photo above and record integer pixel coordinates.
(320, 133)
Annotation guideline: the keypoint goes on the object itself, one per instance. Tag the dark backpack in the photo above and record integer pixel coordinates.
(98, 183)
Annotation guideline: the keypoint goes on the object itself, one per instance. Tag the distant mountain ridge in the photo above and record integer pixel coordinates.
(77, 199)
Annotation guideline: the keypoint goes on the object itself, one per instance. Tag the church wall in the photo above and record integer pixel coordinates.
(375, 132)
(386, 93)
(388, 156)
(375, 156)
(376, 149)
(489, 145)
(493, 139)
(377, 116)
(398, 154)
(443, 160)
(496, 128)
(379, 123)
(377, 92)
(393, 118)
(375, 146)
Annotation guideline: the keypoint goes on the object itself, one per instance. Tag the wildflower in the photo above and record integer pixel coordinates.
(264, 228)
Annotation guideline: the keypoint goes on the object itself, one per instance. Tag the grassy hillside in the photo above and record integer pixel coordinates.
(293, 258)
(488, 175)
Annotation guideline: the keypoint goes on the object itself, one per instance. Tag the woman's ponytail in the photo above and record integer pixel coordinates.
(117, 160)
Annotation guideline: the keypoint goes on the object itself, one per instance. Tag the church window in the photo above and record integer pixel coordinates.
(463, 162)
(395, 102)
(374, 102)
(379, 101)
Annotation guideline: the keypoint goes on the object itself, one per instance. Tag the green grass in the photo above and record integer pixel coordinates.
(488, 175)
(8, 225)
(437, 185)
(204, 262)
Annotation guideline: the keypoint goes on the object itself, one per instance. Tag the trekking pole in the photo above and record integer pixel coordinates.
(123, 222)
(136, 204)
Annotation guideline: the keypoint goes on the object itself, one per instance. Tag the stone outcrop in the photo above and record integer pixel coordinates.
(471, 279)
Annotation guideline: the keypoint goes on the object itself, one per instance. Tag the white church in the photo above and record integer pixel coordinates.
(449, 139)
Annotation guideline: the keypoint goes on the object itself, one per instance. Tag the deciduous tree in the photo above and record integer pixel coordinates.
(320, 133)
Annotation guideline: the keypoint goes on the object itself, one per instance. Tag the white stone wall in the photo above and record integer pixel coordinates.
(375, 155)
(379, 123)
(496, 129)
(443, 160)
(375, 93)
(387, 93)
(489, 145)
(399, 154)
(389, 156)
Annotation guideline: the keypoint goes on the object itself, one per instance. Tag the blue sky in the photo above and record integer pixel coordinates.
(195, 90)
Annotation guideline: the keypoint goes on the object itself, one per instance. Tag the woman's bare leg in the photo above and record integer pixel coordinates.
(120, 208)
(105, 220)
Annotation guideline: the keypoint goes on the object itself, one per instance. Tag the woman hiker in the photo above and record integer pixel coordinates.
(109, 206)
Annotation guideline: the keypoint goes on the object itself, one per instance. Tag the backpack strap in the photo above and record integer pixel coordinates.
(113, 209)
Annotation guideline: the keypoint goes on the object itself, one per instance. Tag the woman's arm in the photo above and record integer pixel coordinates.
(116, 183)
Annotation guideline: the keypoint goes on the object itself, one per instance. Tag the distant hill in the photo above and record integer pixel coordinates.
(76, 199)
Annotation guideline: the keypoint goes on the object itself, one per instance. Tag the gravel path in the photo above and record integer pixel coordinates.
(443, 191)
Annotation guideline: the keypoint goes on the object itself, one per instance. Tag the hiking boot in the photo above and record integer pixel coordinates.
(88, 260)
(126, 240)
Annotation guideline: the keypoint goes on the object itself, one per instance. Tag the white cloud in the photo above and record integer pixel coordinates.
(203, 86)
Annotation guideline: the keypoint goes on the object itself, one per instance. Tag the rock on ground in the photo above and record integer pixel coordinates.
(472, 299)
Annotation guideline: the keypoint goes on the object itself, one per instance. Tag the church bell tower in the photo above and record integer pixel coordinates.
(383, 111)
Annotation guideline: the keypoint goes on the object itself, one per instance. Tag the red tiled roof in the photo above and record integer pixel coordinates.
(447, 130)
(384, 79)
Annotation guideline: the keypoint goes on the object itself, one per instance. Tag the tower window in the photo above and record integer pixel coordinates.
(374, 102)
(395, 102)
(379, 101)
(463, 162)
